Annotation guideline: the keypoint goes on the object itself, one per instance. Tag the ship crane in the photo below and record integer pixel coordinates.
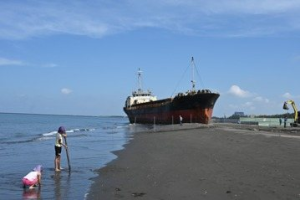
(296, 119)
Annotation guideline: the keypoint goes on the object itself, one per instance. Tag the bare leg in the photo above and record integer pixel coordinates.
(57, 163)
(32, 186)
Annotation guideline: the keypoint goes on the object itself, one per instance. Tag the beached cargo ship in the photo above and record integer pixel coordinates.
(194, 106)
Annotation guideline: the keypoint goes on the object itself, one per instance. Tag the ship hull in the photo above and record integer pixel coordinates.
(196, 108)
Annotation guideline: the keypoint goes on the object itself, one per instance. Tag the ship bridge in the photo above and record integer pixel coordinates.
(140, 96)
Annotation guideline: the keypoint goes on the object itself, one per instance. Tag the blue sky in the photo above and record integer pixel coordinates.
(81, 57)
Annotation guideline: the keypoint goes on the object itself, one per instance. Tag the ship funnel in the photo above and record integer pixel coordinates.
(285, 107)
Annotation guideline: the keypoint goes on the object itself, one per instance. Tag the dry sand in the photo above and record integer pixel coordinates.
(217, 162)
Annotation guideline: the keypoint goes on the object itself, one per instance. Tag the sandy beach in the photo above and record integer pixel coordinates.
(212, 162)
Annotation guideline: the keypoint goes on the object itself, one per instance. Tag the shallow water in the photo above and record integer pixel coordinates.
(27, 140)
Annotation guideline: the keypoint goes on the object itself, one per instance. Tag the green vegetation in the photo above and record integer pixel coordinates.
(288, 115)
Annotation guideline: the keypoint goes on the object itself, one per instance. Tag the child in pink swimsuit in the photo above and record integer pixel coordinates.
(33, 177)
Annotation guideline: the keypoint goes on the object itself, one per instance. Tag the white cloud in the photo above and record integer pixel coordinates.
(237, 91)
(248, 104)
(254, 6)
(287, 95)
(66, 91)
(296, 58)
(261, 99)
(11, 62)
(233, 106)
(23, 19)
(50, 65)
(258, 99)
(5, 62)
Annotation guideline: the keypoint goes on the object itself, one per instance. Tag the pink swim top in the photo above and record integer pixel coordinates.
(31, 178)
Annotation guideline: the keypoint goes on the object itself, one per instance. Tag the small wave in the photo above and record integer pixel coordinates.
(20, 142)
(44, 138)
(49, 134)
(79, 135)
(70, 131)
(81, 130)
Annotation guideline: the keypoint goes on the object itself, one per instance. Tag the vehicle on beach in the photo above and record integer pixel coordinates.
(296, 122)
(194, 106)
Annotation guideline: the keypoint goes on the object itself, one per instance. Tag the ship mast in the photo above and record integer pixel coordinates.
(140, 90)
(193, 75)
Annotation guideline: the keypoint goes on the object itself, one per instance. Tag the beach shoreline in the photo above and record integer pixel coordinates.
(205, 162)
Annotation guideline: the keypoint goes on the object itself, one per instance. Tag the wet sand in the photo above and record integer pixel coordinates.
(212, 162)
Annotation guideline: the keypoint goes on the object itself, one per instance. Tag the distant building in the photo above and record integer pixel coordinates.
(240, 114)
(237, 115)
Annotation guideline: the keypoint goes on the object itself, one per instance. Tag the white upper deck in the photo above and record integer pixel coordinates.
(140, 96)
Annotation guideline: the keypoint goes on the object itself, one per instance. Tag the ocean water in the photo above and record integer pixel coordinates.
(27, 140)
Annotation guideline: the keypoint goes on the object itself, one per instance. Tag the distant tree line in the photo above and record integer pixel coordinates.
(288, 115)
